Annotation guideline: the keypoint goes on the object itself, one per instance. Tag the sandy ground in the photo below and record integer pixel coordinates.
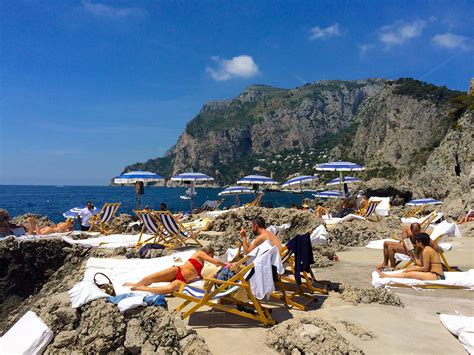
(415, 329)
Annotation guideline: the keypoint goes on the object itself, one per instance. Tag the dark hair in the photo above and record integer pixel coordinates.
(416, 227)
(208, 250)
(259, 221)
(89, 202)
(163, 205)
(423, 238)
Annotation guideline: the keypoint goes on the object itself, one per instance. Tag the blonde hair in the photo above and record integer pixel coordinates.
(208, 250)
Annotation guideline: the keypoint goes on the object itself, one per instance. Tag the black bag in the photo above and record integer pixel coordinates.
(108, 288)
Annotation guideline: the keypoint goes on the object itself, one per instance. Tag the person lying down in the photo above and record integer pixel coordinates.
(177, 275)
(63, 227)
(431, 267)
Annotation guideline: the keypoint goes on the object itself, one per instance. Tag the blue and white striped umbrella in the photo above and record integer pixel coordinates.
(134, 176)
(424, 201)
(256, 180)
(192, 177)
(339, 166)
(73, 212)
(236, 190)
(328, 194)
(346, 179)
(299, 180)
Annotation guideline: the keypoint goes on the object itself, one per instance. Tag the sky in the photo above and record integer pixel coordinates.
(88, 87)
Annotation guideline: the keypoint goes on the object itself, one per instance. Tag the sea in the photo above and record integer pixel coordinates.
(53, 201)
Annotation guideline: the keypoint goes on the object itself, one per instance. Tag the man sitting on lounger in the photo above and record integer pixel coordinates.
(257, 227)
(430, 267)
(391, 248)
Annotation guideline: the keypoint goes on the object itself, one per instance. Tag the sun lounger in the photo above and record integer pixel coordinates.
(109, 242)
(174, 232)
(153, 226)
(29, 335)
(462, 327)
(454, 280)
(368, 215)
(256, 202)
(426, 221)
(383, 207)
(105, 220)
(208, 206)
(220, 295)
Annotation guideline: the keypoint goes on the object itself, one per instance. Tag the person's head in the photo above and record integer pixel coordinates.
(320, 203)
(422, 240)
(163, 207)
(208, 250)
(4, 216)
(90, 205)
(415, 228)
(257, 224)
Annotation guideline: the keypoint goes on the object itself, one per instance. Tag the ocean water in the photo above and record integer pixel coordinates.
(54, 200)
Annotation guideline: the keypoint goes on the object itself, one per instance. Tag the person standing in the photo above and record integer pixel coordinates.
(84, 215)
(139, 192)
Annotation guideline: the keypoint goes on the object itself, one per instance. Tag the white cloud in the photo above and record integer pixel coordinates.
(242, 66)
(364, 48)
(323, 33)
(102, 10)
(451, 41)
(400, 32)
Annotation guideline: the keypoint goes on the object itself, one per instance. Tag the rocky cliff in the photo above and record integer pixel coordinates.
(414, 133)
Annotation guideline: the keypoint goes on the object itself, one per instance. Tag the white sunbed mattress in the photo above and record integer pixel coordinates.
(462, 327)
(132, 270)
(29, 335)
(463, 279)
(108, 241)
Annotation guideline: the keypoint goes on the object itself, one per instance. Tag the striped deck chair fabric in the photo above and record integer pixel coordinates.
(177, 233)
(105, 220)
(370, 211)
(215, 290)
(152, 226)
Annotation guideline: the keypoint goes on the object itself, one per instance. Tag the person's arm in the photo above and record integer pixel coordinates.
(259, 240)
(434, 246)
(207, 258)
(425, 267)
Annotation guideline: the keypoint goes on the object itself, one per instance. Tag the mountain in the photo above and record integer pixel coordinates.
(393, 127)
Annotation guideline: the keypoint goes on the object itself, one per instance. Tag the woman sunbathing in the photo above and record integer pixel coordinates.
(63, 227)
(431, 268)
(177, 275)
(468, 217)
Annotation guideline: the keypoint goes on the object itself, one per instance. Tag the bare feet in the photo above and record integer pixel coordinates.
(381, 266)
(381, 274)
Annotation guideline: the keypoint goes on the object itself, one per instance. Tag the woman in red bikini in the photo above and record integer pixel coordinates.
(176, 275)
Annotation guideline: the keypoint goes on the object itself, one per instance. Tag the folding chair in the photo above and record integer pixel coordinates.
(153, 226)
(174, 232)
(215, 291)
(105, 220)
(256, 202)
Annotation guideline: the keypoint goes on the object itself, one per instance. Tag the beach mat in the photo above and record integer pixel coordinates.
(29, 335)
(453, 279)
(108, 241)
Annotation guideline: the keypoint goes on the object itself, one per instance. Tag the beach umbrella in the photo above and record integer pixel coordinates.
(424, 201)
(191, 177)
(236, 191)
(73, 212)
(133, 177)
(255, 181)
(300, 180)
(347, 180)
(340, 166)
(328, 194)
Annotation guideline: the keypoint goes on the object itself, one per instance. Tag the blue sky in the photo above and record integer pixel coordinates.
(88, 87)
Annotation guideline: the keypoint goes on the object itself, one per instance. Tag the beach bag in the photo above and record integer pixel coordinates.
(225, 274)
(108, 288)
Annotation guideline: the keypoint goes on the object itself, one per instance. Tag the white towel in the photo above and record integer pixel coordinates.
(383, 208)
(463, 279)
(85, 292)
(319, 236)
(29, 335)
(462, 327)
(265, 257)
(130, 303)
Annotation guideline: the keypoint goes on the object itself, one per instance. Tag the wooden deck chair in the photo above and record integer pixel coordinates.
(153, 226)
(256, 202)
(221, 295)
(288, 289)
(208, 206)
(106, 219)
(415, 211)
(175, 232)
(370, 211)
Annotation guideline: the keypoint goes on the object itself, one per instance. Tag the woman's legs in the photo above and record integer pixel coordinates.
(166, 275)
(418, 275)
(161, 290)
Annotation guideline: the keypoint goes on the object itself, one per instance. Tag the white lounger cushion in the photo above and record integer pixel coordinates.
(27, 336)
(108, 241)
(464, 279)
(85, 292)
(378, 244)
(132, 270)
(347, 218)
(462, 327)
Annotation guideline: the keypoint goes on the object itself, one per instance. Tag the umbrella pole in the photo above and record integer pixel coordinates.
(237, 200)
(192, 195)
(302, 194)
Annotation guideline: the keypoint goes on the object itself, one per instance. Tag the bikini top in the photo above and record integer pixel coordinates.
(197, 265)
